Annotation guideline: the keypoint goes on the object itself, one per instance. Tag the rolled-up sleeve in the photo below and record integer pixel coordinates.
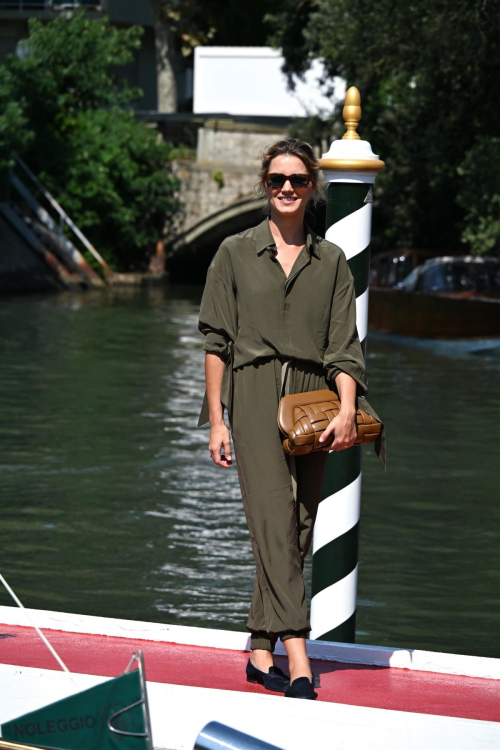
(218, 310)
(344, 353)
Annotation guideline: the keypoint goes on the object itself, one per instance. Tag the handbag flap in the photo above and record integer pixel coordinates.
(287, 405)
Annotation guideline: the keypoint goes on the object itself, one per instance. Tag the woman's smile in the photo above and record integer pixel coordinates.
(286, 199)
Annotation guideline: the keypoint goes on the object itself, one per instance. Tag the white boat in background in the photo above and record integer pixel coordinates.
(368, 696)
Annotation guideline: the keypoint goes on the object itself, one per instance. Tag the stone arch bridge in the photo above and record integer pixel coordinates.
(217, 193)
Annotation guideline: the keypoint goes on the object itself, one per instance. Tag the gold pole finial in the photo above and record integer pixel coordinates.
(351, 157)
(352, 114)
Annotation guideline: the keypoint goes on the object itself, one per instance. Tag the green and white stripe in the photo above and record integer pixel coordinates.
(336, 534)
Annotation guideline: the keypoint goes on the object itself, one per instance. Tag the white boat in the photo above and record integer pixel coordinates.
(368, 696)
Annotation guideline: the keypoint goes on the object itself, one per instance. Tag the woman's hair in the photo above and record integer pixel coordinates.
(292, 147)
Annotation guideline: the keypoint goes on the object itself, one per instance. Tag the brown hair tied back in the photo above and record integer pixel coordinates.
(292, 147)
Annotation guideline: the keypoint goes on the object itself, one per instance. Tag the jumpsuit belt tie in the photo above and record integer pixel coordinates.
(227, 386)
(226, 391)
(285, 391)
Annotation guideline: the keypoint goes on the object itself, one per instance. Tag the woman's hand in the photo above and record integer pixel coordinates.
(344, 430)
(344, 425)
(219, 434)
(219, 438)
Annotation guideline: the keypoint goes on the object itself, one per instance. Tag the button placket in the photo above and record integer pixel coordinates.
(304, 259)
(275, 260)
(284, 328)
(305, 262)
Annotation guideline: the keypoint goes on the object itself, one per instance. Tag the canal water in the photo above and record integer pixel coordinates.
(110, 504)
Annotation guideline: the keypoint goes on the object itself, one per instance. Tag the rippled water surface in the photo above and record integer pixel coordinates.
(111, 505)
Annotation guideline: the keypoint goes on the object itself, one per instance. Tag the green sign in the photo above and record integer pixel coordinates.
(81, 722)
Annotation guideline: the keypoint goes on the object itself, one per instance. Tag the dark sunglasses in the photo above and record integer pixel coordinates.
(277, 180)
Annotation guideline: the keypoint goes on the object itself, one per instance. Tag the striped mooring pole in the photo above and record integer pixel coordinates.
(350, 168)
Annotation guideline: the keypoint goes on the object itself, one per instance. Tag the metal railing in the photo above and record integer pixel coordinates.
(63, 220)
(27, 5)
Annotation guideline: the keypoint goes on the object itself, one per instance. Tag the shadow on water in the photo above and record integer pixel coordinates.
(111, 505)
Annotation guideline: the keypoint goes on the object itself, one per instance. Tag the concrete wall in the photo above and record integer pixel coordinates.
(243, 146)
(226, 169)
(128, 11)
(201, 195)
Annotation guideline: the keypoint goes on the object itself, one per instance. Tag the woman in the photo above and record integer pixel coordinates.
(279, 315)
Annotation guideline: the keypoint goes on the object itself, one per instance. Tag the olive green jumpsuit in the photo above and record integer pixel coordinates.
(278, 335)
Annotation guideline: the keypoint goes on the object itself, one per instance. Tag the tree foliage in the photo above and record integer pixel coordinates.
(182, 25)
(479, 196)
(195, 22)
(117, 183)
(109, 172)
(14, 132)
(429, 77)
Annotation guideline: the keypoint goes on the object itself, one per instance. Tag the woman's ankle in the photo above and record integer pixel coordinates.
(298, 661)
(299, 667)
(262, 659)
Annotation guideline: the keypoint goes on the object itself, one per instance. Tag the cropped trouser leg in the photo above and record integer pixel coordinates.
(280, 511)
(309, 471)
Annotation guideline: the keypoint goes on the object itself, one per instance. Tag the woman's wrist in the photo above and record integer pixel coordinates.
(348, 410)
(217, 420)
(346, 387)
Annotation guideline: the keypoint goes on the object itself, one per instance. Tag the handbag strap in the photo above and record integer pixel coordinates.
(285, 379)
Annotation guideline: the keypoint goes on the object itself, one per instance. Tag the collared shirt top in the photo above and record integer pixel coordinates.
(311, 314)
(250, 309)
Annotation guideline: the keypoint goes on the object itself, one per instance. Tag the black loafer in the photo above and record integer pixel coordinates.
(275, 679)
(301, 688)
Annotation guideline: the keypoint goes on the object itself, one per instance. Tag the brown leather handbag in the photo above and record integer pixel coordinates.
(302, 417)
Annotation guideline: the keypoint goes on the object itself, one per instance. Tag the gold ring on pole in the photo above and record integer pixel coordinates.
(352, 165)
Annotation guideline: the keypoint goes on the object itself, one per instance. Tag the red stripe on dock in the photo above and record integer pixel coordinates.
(196, 666)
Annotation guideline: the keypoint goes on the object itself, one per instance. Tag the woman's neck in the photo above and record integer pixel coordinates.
(288, 230)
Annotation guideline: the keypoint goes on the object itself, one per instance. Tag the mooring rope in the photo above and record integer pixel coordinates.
(44, 639)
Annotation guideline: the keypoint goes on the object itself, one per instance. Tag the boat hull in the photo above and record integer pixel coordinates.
(432, 315)
(368, 696)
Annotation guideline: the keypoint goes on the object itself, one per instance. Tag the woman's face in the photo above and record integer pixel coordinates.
(288, 200)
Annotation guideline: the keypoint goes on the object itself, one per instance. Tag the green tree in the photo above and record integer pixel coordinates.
(429, 77)
(117, 184)
(15, 134)
(479, 196)
(109, 172)
(182, 25)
